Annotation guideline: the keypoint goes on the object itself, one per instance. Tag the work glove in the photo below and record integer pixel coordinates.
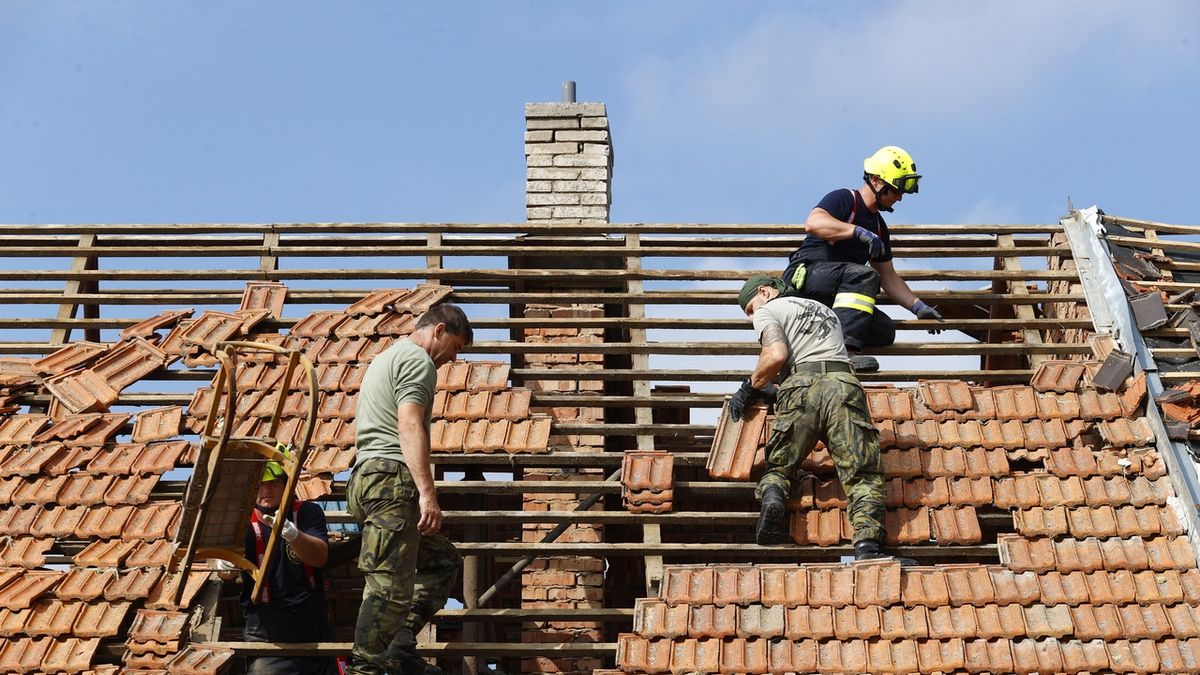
(872, 240)
(289, 531)
(222, 565)
(746, 393)
(924, 311)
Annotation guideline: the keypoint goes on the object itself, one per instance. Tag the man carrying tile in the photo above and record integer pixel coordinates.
(818, 398)
(409, 568)
(847, 255)
(292, 606)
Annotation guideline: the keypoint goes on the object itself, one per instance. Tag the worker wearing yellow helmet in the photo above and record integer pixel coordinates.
(846, 256)
(292, 607)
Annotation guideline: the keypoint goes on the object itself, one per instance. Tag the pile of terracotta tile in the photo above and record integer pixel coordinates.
(648, 481)
(877, 617)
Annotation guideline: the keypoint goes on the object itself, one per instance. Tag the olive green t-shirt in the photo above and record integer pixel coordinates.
(403, 373)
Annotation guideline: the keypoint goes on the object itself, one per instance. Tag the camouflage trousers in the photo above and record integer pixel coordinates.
(408, 576)
(830, 408)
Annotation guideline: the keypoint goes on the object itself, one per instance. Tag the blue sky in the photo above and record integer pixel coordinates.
(720, 111)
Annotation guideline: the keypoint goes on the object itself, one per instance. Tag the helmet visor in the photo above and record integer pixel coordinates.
(908, 184)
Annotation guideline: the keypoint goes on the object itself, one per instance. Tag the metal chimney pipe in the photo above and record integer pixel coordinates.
(568, 91)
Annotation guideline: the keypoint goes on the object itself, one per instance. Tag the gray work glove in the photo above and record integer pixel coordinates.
(924, 311)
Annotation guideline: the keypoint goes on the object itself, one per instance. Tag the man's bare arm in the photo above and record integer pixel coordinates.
(414, 444)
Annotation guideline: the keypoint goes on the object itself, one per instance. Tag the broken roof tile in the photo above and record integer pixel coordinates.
(146, 328)
(946, 395)
(1058, 376)
(74, 355)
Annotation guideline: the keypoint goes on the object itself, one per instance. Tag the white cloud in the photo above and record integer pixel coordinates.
(795, 74)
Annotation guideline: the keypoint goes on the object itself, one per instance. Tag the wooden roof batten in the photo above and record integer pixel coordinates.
(96, 293)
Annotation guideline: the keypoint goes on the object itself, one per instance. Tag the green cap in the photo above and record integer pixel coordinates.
(753, 284)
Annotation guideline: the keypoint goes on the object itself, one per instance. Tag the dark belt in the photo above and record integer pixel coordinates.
(823, 367)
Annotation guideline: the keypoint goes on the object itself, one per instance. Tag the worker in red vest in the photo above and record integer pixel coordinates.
(292, 605)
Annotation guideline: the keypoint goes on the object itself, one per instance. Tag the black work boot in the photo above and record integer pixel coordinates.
(861, 363)
(409, 663)
(870, 550)
(772, 518)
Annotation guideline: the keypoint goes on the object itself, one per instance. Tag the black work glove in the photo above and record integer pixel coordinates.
(746, 393)
(924, 311)
(872, 240)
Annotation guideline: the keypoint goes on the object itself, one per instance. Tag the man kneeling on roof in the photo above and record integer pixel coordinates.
(818, 398)
(292, 606)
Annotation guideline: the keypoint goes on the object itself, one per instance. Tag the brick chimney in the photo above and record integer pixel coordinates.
(569, 159)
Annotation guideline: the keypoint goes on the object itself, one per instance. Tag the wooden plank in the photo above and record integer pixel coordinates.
(67, 310)
(741, 551)
(1033, 337)
(499, 649)
(522, 227)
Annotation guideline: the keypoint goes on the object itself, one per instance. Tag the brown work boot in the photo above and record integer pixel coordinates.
(772, 518)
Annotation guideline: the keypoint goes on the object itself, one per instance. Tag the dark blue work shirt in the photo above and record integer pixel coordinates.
(288, 578)
(841, 204)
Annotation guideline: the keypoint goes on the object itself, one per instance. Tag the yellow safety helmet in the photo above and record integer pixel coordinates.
(895, 167)
(273, 470)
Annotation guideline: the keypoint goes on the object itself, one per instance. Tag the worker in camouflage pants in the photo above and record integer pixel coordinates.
(819, 399)
(409, 567)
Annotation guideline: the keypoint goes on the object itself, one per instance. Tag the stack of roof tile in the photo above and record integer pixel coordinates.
(78, 474)
(648, 481)
(1096, 574)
